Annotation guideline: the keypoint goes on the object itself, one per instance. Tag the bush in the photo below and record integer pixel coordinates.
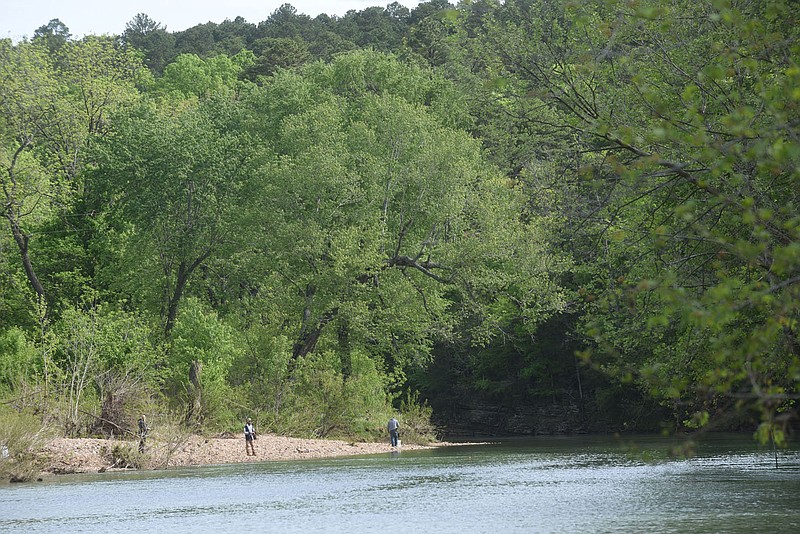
(315, 401)
(202, 351)
(18, 359)
(415, 421)
(166, 436)
(366, 402)
(19, 433)
(260, 377)
(125, 455)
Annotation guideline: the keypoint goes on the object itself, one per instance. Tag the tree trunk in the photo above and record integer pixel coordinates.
(344, 350)
(10, 211)
(309, 333)
(22, 242)
(184, 273)
(172, 308)
(195, 410)
(309, 337)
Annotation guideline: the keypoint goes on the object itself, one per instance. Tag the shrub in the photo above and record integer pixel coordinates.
(19, 433)
(415, 420)
(203, 349)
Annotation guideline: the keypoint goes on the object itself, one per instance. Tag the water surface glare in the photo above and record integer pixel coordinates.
(565, 484)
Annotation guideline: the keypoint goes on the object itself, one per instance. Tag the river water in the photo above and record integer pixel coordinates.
(545, 484)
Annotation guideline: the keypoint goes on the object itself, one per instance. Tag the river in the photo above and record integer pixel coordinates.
(543, 484)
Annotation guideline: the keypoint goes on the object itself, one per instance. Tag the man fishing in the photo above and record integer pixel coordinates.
(394, 431)
(249, 437)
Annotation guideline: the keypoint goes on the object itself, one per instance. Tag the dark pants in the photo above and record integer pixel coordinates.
(393, 434)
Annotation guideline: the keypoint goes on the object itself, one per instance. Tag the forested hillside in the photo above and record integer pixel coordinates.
(511, 217)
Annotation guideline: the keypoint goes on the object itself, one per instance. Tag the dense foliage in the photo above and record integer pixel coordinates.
(504, 207)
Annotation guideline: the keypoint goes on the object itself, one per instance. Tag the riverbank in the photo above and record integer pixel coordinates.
(86, 455)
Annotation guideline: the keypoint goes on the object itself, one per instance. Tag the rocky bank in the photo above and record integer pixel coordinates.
(85, 455)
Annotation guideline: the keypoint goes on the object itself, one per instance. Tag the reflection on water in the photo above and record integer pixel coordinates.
(564, 484)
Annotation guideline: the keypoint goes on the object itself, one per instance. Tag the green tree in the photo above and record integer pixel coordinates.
(274, 53)
(152, 39)
(48, 113)
(191, 75)
(376, 28)
(233, 36)
(28, 89)
(262, 375)
(18, 360)
(53, 35)
(197, 40)
(100, 77)
(101, 354)
(390, 226)
(175, 177)
(201, 352)
(285, 22)
(327, 44)
(683, 119)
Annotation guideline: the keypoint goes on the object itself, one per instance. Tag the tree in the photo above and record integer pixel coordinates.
(376, 28)
(391, 228)
(202, 350)
(140, 26)
(426, 9)
(275, 53)
(197, 40)
(48, 113)
(233, 36)
(285, 22)
(52, 35)
(327, 44)
(431, 25)
(685, 128)
(99, 351)
(175, 173)
(152, 39)
(100, 77)
(18, 362)
(28, 89)
(190, 75)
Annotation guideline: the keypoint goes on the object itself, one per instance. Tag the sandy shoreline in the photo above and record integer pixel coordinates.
(86, 455)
